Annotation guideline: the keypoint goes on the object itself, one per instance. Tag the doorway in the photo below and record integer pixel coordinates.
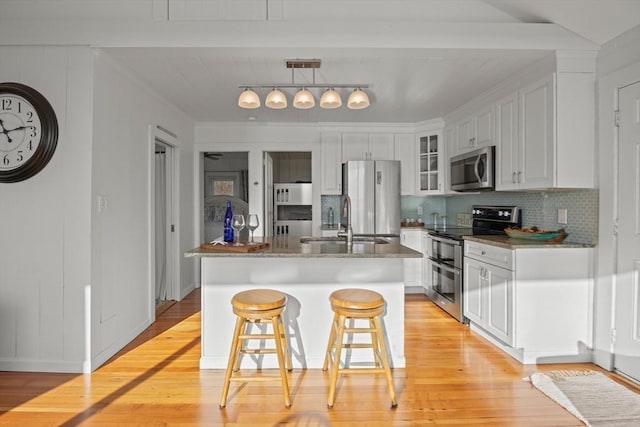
(163, 251)
(225, 178)
(627, 288)
(282, 167)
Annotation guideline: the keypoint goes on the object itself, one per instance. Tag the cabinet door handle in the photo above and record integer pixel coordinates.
(513, 177)
(519, 177)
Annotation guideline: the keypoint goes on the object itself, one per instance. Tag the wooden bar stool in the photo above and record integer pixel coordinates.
(350, 304)
(251, 307)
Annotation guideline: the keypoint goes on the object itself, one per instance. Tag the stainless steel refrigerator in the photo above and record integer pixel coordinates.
(374, 189)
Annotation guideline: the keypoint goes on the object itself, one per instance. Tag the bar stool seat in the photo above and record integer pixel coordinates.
(350, 304)
(250, 307)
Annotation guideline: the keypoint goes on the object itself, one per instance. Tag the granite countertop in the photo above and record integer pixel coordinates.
(290, 246)
(509, 243)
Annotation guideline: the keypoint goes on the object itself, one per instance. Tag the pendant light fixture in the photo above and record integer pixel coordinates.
(358, 100)
(276, 99)
(304, 98)
(330, 99)
(249, 99)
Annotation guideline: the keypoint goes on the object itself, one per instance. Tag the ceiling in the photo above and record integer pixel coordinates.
(427, 76)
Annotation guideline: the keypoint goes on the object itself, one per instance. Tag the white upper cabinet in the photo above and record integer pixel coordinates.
(450, 141)
(475, 131)
(545, 134)
(431, 163)
(507, 147)
(367, 146)
(405, 152)
(331, 162)
(535, 145)
(355, 146)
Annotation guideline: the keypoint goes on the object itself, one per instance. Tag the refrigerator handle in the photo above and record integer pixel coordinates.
(379, 177)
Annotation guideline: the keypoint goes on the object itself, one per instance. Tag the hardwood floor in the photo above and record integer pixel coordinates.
(453, 377)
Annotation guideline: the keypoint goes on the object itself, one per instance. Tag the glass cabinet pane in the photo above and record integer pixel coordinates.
(433, 181)
(429, 164)
(424, 144)
(433, 144)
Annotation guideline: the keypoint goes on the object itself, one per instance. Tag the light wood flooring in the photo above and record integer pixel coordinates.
(453, 377)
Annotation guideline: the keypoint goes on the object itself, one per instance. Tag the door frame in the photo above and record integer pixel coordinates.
(159, 135)
(608, 83)
(616, 247)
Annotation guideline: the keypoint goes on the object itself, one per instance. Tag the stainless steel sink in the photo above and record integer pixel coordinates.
(342, 240)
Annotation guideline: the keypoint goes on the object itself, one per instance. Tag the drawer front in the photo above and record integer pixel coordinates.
(494, 255)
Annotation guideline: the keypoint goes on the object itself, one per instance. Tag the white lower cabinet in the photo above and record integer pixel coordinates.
(532, 302)
(412, 238)
(488, 298)
(427, 271)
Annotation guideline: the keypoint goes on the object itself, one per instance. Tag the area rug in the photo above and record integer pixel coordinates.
(591, 396)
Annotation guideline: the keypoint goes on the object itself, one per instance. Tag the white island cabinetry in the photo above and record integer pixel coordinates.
(530, 299)
(307, 273)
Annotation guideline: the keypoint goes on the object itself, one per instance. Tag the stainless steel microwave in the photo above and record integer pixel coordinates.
(473, 171)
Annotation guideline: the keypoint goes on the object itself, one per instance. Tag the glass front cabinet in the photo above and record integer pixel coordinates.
(431, 164)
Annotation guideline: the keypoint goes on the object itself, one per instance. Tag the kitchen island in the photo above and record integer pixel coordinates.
(307, 273)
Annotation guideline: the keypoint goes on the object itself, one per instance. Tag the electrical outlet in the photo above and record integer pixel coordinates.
(562, 216)
(420, 211)
(463, 219)
(103, 203)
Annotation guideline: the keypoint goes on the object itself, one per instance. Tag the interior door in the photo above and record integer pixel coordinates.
(627, 308)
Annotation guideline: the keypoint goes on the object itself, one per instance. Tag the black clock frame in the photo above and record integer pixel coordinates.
(48, 136)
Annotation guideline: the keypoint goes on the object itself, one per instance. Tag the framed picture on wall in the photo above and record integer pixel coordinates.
(222, 184)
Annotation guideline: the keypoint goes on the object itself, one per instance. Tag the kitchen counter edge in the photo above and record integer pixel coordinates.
(292, 248)
(510, 243)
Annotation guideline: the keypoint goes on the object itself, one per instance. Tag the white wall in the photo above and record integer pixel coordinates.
(45, 221)
(123, 110)
(62, 260)
(618, 66)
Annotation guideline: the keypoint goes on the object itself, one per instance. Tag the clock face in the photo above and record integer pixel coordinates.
(20, 131)
(28, 132)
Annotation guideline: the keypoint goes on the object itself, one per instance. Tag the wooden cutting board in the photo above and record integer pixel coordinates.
(245, 248)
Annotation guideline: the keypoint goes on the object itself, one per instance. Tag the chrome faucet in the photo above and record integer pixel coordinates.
(346, 212)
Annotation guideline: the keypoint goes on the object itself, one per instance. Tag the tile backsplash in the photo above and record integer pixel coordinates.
(538, 208)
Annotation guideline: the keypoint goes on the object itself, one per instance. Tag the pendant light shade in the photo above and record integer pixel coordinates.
(276, 100)
(248, 99)
(330, 99)
(358, 100)
(304, 99)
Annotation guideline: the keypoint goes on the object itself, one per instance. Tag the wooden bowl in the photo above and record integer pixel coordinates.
(544, 236)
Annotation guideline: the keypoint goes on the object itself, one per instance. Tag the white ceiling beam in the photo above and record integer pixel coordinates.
(295, 34)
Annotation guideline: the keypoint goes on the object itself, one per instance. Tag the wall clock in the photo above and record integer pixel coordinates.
(28, 132)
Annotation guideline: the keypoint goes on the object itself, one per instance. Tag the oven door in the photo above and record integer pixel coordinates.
(446, 288)
(446, 251)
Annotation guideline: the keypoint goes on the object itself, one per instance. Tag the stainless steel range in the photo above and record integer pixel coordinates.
(446, 251)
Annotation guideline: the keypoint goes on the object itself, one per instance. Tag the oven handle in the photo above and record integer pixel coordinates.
(445, 240)
(444, 266)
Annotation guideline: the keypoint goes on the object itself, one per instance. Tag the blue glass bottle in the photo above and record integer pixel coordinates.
(228, 217)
